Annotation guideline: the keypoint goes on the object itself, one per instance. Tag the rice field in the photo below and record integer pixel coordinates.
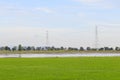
(81, 68)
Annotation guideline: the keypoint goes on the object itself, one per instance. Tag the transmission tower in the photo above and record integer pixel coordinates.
(47, 38)
(96, 37)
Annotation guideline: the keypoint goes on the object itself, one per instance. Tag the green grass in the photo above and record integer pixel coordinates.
(83, 68)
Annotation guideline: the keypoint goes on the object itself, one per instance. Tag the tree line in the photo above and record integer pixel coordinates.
(32, 48)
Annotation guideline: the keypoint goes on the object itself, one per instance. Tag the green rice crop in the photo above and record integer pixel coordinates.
(81, 68)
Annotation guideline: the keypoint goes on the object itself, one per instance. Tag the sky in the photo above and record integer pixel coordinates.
(68, 22)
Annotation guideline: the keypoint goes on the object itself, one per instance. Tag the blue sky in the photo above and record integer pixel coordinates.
(69, 22)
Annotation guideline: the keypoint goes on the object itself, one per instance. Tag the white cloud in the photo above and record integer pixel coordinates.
(97, 4)
(89, 1)
(13, 10)
(43, 9)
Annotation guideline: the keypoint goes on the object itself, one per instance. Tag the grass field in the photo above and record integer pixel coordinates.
(83, 68)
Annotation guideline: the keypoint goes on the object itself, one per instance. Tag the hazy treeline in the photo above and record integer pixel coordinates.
(32, 48)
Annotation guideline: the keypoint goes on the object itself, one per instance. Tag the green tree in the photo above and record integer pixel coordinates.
(20, 47)
(81, 49)
(14, 48)
(7, 48)
(117, 48)
(88, 48)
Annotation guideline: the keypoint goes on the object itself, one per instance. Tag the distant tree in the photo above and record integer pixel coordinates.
(101, 49)
(94, 49)
(88, 48)
(38, 48)
(29, 48)
(52, 48)
(7, 48)
(33, 48)
(106, 48)
(57, 49)
(14, 48)
(75, 49)
(2, 48)
(62, 48)
(20, 47)
(24, 48)
(111, 49)
(117, 48)
(81, 49)
(69, 48)
(48, 48)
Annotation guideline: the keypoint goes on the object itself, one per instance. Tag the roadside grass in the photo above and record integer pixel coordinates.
(83, 68)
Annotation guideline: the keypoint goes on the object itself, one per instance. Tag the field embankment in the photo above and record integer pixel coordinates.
(55, 51)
